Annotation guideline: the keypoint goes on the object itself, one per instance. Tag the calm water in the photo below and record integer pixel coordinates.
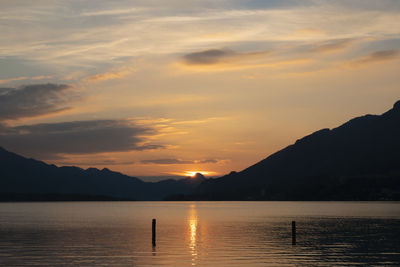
(199, 234)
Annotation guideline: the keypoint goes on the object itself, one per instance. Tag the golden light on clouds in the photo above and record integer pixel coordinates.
(197, 79)
(118, 74)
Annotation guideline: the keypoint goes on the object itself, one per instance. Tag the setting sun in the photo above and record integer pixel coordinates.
(193, 173)
(199, 133)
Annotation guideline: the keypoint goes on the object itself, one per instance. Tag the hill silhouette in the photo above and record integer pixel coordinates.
(29, 179)
(359, 160)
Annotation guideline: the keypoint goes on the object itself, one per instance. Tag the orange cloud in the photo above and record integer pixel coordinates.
(216, 56)
(242, 65)
(332, 46)
(23, 78)
(110, 75)
(376, 57)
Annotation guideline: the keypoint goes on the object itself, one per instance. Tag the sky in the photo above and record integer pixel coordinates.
(167, 88)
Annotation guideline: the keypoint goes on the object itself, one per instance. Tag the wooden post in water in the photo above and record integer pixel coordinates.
(293, 233)
(153, 232)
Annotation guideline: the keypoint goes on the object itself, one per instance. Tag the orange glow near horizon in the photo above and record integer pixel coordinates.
(193, 173)
(205, 97)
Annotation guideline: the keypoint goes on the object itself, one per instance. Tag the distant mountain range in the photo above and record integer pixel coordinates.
(29, 179)
(359, 160)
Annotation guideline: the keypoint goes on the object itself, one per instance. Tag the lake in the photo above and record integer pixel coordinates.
(199, 234)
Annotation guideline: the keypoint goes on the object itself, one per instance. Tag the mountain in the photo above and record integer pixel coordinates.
(29, 179)
(359, 160)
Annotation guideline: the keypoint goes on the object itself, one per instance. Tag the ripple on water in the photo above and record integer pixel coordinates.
(199, 234)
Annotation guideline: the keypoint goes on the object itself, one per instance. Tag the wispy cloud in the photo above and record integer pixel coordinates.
(238, 23)
(172, 161)
(106, 162)
(111, 75)
(24, 78)
(228, 60)
(166, 161)
(48, 140)
(377, 56)
(214, 56)
(208, 161)
(111, 12)
(208, 56)
(199, 121)
(331, 46)
(34, 100)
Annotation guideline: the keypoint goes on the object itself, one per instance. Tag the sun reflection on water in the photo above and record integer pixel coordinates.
(193, 233)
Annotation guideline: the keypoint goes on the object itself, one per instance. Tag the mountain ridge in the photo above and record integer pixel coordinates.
(358, 160)
(28, 177)
(364, 146)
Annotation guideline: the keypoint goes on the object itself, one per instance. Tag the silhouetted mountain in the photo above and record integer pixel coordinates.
(198, 177)
(192, 182)
(29, 179)
(360, 160)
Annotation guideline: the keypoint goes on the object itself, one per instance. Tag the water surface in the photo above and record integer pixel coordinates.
(199, 234)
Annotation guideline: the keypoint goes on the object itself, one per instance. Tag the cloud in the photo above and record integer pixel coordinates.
(216, 56)
(225, 60)
(331, 46)
(49, 140)
(110, 75)
(112, 12)
(80, 38)
(199, 121)
(210, 56)
(377, 56)
(23, 78)
(166, 161)
(98, 163)
(240, 61)
(34, 100)
(177, 161)
(208, 161)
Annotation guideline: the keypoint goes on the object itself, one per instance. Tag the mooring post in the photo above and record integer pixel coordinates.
(153, 232)
(293, 232)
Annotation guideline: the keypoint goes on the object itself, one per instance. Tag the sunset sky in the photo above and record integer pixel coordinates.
(165, 88)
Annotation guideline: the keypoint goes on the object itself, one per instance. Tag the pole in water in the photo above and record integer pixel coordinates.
(153, 232)
(293, 232)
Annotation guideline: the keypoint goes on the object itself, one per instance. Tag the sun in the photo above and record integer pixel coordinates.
(193, 173)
